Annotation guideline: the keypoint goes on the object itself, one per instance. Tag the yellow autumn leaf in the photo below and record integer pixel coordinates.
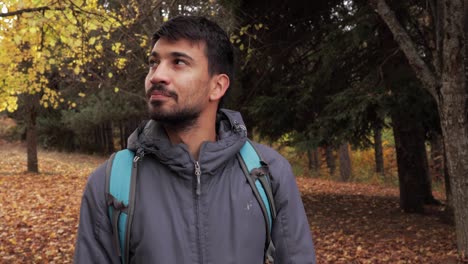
(76, 70)
(92, 41)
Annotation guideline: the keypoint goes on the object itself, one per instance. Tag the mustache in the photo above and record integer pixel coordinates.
(162, 89)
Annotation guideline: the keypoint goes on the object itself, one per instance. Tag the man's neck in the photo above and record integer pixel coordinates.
(201, 130)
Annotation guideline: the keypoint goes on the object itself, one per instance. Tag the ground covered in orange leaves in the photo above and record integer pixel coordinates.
(351, 223)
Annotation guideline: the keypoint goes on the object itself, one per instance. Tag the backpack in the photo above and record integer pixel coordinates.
(121, 172)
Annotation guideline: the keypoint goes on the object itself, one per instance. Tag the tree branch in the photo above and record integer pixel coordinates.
(421, 69)
(30, 10)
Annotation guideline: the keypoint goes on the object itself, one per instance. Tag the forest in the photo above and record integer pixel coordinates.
(366, 98)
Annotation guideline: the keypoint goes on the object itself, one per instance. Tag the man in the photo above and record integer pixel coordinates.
(192, 201)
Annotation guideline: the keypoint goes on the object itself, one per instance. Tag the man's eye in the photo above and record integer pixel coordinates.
(179, 62)
(152, 63)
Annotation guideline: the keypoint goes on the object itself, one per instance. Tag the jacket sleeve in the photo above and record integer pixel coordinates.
(94, 239)
(291, 232)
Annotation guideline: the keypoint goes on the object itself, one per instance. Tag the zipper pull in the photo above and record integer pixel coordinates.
(138, 155)
(135, 160)
(198, 174)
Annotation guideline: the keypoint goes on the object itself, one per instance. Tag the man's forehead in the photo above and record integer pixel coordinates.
(184, 44)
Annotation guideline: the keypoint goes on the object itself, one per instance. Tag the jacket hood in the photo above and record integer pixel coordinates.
(151, 139)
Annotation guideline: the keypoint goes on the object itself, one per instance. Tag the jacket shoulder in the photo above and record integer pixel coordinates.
(270, 155)
(280, 169)
(98, 176)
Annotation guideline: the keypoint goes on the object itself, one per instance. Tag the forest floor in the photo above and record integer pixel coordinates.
(350, 223)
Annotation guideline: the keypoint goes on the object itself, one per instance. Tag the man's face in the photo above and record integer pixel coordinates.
(178, 82)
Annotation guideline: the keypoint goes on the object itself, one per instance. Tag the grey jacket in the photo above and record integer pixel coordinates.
(180, 220)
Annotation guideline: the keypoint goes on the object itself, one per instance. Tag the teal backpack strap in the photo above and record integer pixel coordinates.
(257, 174)
(120, 196)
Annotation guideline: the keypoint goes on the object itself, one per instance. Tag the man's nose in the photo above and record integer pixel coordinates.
(160, 74)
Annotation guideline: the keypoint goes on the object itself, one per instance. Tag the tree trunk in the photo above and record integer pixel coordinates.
(449, 210)
(31, 132)
(455, 132)
(345, 162)
(102, 129)
(313, 157)
(133, 124)
(453, 109)
(330, 159)
(109, 135)
(437, 156)
(378, 151)
(123, 144)
(413, 174)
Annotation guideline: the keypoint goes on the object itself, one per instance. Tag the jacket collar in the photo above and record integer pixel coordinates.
(151, 139)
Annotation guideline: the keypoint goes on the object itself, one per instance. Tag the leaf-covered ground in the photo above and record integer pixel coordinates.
(357, 223)
(351, 223)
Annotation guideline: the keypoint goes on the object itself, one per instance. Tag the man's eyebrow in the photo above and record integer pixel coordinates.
(177, 54)
(174, 54)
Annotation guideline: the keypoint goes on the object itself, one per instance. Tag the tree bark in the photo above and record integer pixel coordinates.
(345, 162)
(330, 159)
(449, 214)
(453, 109)
(109, 135)
(413, 171)
(313, 156)
(123, 143)
(455, 133)
(31, 132)
(437, 155)
(378, 151)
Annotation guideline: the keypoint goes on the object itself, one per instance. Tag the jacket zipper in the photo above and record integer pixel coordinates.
(197, 207)
(198, 174)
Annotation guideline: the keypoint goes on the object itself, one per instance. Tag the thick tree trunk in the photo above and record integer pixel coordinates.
(413, 174)
(31, 133)
(378, 150)
(345, 162)
(453, 109)
(330, 159)
(455, 132)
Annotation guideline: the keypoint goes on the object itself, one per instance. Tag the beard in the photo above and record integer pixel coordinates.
(179, 118)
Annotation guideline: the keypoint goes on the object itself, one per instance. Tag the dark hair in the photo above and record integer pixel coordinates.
(219, 50)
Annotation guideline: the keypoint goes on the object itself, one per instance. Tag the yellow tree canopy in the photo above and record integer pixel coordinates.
(39, 36)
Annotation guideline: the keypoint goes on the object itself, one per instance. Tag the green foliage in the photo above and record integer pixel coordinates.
(319, 76)
(53, 133)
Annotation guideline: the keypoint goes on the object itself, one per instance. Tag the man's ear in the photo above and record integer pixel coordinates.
(220, 86)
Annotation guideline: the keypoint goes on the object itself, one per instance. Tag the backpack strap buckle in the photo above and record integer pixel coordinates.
(116, 207)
